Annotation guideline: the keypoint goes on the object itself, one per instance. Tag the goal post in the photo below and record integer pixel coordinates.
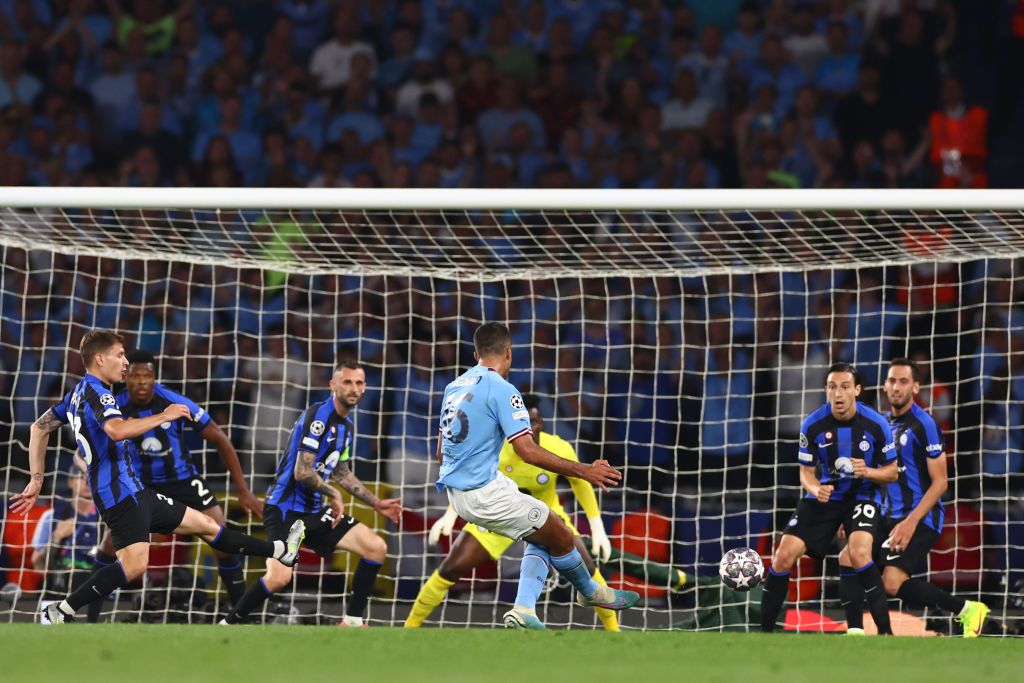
(680, 334)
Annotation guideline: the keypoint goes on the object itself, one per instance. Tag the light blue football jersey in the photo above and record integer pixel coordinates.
(481, 410)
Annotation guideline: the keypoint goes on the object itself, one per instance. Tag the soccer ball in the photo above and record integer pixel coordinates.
(741, 569)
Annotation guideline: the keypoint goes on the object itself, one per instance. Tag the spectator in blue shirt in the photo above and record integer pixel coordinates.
(837, 71)
(774, 67)
(495, 123)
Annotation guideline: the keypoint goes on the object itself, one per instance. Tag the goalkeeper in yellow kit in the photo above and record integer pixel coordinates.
(476, 545)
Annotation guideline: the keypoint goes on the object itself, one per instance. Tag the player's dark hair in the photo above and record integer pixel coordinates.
(97, 341)
(531, 401)
(912, 364)
(844, 367)
(141, 356)
(491, 339)
(347, 364)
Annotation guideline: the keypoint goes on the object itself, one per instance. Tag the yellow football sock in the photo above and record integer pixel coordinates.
(608, 617)
(682, 578)
(430, 596)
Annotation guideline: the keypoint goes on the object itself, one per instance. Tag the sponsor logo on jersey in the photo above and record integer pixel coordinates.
(165, 425)
(844, 466)
(151, 444)
(199, 414)
(888, 447)
(934, 448)
(521, 415)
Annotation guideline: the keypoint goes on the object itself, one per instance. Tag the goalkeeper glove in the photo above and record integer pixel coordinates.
(442, 527)
(600, 546)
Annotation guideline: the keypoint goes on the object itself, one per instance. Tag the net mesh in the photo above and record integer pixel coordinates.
(683, 346)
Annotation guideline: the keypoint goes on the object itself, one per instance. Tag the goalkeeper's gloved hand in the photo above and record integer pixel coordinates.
(600, 546)
(442, 527)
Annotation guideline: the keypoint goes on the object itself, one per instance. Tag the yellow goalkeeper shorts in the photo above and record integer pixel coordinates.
(496, 544)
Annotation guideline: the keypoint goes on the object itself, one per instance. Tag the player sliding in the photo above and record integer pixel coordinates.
(845, 449)
(162, 461)
(320, 448)
(131, 511)
(475, 544)
(481, 410)
(913, 521)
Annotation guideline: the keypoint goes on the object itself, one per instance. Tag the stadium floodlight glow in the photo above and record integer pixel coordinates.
(683, 334)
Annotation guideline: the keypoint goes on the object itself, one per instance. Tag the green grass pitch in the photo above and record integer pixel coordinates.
(114, 652)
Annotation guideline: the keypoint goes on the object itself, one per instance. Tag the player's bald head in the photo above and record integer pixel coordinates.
(491, 339)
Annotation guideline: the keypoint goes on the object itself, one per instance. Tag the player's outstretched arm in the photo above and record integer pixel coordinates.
(38, 440)
(229, 456)
(347, 479)
(599, 472)
(119, 429)
(306, 475)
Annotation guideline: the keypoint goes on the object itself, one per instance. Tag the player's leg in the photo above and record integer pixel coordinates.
(195, 523)
(609, 619)
(556, 539)
(104, 554)
(776, 582)
(908, 561)
(229, 565)
(859, 545)
(276, 578)
(466, 554)
(851, 594)
(78, 578)
(372, 550)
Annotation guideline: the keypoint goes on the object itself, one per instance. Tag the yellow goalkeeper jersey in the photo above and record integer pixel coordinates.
(540, 483)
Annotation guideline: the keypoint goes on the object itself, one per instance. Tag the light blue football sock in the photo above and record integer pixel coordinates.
(571, 566)
(533, 572)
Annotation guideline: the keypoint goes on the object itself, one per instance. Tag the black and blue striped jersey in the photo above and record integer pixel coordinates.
(161, 454)
(830, 445)
(328, 436)
(918, 440)
(111, 477)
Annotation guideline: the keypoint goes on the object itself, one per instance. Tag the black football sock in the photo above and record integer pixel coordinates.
(362, 585)
(253, 597)
(851, 597)
(878, 601)
(93, 609)
(102, 559)
(776, 586)
(102, 583)
(230, 569)
(924, 594)
(232, 542)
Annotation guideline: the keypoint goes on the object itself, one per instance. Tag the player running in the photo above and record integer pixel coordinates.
(320, 448)
(846, 448)
(162, 461)
(103, 436)
(913, 521)
(475, 545)
(481, 410)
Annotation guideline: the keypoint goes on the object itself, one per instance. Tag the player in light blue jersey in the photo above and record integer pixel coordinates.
(481, 411)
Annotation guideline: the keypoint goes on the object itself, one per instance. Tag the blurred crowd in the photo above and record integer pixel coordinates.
(511, 93)
(689, 382)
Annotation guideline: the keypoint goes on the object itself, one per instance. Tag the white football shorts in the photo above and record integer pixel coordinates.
(501, 508)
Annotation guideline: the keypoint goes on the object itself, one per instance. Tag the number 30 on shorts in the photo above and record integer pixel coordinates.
(866, 510)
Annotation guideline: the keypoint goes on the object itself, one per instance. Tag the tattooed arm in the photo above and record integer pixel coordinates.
(389, 507)
(38, 440)
(306, 475)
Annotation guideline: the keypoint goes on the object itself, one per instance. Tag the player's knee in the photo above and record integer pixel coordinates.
(452, 569)
(277, 578)
(134, 567)
(860, 557)
(377, 551)
(892, 583)
(783, 560)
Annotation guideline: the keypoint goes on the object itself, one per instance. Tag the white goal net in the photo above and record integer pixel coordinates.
(682, 336)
